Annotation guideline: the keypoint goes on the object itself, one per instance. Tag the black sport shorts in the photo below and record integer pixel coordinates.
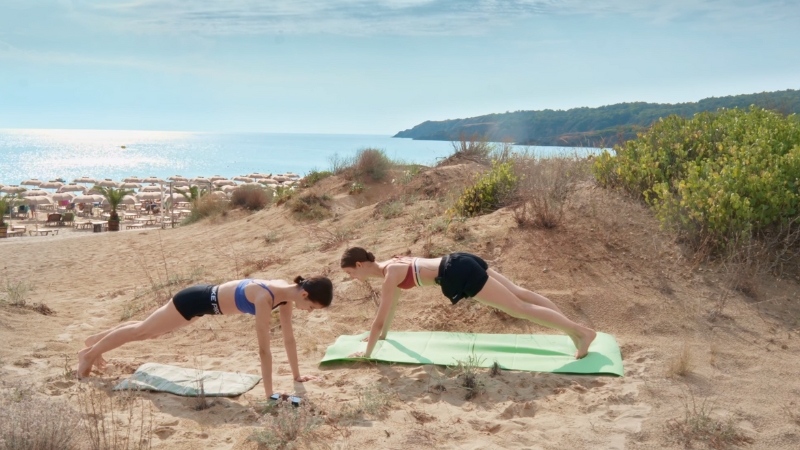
(461, 275)
(196, 301)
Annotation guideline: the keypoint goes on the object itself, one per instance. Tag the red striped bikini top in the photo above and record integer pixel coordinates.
(412, 276)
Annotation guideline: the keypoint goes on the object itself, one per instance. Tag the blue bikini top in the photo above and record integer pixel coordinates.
(246, 306)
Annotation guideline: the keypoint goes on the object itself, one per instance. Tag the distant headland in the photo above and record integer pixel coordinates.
(589, 127)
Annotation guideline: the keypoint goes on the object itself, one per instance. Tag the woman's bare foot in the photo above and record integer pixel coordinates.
(583, 341)
(84, 363)
(99, 362)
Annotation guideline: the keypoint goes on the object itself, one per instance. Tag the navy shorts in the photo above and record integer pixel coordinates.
(196, 301)
(462, 275)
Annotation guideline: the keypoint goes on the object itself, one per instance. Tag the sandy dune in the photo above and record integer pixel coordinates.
(609, 267)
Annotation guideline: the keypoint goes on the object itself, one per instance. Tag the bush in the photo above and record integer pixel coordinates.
(371, 164)
(544, 187)
(253, 198)
(714, 177)
(491, 191)
(32, 423)
(287, 426)
(205, 206)
(310, 206)
(315, 176)
(474, 148)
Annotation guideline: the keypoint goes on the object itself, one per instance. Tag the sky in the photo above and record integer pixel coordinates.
(374, 67)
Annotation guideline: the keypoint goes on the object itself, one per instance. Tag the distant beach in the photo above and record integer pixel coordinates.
(70, 154)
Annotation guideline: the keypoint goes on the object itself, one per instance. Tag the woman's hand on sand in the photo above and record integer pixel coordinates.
(304, 378)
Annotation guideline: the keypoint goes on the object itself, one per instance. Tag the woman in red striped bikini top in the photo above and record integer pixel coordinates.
(459, 275)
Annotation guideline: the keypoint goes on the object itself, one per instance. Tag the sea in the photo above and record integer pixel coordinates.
(48, 154)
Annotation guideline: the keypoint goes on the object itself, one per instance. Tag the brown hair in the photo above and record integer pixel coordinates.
(320, 289)
(356, 254)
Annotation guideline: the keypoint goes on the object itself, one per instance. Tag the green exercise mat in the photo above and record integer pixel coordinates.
(186, 382)
(535, 353)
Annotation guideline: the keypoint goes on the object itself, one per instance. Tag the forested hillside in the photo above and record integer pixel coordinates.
(589, 126)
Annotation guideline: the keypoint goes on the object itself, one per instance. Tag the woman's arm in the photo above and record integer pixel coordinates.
(288, 339)
(394, 276)
(388, 323)
(263, 317)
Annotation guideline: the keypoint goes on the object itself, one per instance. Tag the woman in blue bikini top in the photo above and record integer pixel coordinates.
(249, 296)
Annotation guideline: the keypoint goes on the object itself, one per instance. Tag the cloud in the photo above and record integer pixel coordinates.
(401, 17)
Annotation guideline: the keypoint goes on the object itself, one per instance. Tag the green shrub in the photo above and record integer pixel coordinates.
(715, 176)
(491, 191)
(315, 176)
(254, 198)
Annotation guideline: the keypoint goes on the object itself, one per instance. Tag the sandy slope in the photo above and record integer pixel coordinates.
(609, 266)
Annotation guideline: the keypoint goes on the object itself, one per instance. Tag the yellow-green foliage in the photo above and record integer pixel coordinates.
(491, 191)
(714, 175)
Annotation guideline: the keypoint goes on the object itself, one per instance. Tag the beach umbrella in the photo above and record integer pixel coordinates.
(219, 195)
(177, 178)
(200, 180)
(130, 185)
(243, 178)
(258, 175)
(51, 185)
(280, 179)
(269, 181)
(86, 180)
(39, 200)
(108, 182)
(63, 196)
(250, 184)
(35, 193)
(219, 183)
(129, 200)
(177, 197)
(180, 184)
(12, 189)
(88, 198)
(291, 175)
(227, 189)
(72, 188)
(150, 188)
(148, 195)
(217, 178)
(94, 190)
(31, 182)
(152, 180)
(132, 180)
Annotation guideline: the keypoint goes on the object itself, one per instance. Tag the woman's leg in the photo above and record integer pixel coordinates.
(163, 320)
(523, 294)
(496, 295)
(91, 340)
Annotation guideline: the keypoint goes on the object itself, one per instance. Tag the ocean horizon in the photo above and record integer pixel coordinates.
(48, 154)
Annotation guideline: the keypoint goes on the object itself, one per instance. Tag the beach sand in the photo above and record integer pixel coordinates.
(609, 267)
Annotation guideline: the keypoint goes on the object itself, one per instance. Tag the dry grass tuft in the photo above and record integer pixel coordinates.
(698, 425)
(310, 206)
(681, 365)
(287, 426)
(253, 198)
(34, 423)
(115, 422)
(470, 378)
(544, 188)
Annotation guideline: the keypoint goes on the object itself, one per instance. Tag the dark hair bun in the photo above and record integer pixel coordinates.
(298, 279)
(370, 257)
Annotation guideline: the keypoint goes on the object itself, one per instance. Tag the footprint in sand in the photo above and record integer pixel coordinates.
(526, 409)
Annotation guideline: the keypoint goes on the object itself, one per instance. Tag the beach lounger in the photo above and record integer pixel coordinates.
(67, 219)
(53, 220)
(134, 226)
(12, 233)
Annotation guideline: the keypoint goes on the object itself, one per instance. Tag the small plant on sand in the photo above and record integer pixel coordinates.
(356, 187)
(115, 422)
(544, 188)
(371, 164)
(33, 423)
(475, 148)
(495, 370)
(114, 197)
(310, 206)
(17, 292)
(698, 425)
(681, 364)
(471, 379)
(391, 209)
(287, 426)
